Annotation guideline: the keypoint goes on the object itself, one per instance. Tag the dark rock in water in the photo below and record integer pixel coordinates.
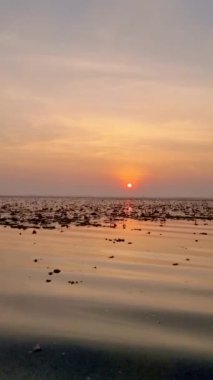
(74, 282)
(37, 348)
(50, 273)
(56, 271)
(175, 264)
(129, 242)
(48, 280)
(95, 267)
(187, 259)
(34, 232)
(36, 260)
(111, 257)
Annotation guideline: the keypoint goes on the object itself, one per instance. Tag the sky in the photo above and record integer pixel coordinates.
(95, 94)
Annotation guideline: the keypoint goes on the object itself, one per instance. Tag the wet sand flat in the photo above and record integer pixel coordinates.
(130, 298)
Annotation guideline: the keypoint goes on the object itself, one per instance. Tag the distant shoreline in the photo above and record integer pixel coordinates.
(110, 197)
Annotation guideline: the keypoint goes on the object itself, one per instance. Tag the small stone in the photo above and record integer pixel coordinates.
(56, 271)
(37, 348)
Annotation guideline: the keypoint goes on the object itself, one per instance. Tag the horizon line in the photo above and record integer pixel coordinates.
(107, 197)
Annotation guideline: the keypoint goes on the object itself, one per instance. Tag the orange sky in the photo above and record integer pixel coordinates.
(96, 95)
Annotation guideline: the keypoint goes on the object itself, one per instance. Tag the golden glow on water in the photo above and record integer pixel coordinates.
(139, 290)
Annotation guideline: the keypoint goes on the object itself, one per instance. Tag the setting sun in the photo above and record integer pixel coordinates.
(129, 185)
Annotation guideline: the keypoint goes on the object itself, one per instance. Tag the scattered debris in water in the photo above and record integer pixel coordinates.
(56, 271)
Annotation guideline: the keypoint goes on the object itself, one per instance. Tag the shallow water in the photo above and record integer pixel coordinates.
(138, 300)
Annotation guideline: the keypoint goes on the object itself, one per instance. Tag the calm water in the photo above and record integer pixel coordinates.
(135, 276)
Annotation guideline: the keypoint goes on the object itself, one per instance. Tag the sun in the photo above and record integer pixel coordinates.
(129, 185)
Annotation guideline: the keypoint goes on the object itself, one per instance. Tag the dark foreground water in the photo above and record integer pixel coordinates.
(69, 360)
